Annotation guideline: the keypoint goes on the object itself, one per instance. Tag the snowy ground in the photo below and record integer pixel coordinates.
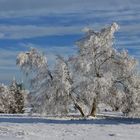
(36, 128)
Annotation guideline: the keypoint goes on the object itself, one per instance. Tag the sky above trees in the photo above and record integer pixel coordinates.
(54, 27)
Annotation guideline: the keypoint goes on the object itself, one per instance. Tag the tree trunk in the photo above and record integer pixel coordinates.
(80, 109)
(93, 110)
(77, 106)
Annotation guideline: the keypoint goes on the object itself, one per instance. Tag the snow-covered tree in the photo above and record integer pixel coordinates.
(34, 65)
(18, 94)
(104, 74)
(6, 100)
(50, 90)
(63, 85)
(12, 98)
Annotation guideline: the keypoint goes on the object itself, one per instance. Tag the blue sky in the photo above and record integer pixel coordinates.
(53, 26)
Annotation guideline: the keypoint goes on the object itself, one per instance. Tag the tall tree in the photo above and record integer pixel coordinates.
(103, 74)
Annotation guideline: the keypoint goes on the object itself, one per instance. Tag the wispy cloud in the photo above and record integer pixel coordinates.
(30, 31)
(53, 27)
(43, 7)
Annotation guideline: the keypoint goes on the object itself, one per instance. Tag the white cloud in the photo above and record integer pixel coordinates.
(8, 67)
(30, 31)
(7, 59)
(12, 8)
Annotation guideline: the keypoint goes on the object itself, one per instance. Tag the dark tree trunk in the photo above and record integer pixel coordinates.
(80, 109)
(77, 106)
(93, 110)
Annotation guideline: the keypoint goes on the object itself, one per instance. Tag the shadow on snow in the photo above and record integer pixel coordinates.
(99, 121)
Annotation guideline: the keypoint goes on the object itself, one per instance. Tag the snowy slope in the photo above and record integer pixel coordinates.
(21, 127)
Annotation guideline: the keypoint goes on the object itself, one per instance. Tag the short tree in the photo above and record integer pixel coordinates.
(18, 94)
(6, 100)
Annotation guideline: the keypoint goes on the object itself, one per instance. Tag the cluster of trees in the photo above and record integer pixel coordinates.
(98, 73)
(12, 98)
